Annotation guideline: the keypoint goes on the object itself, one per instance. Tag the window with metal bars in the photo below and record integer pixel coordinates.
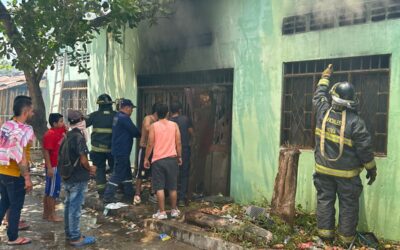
(368, 74)
(369, 11)
(74, 96)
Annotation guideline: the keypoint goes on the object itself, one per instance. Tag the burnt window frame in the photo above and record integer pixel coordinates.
(346, 68)
(372, 11)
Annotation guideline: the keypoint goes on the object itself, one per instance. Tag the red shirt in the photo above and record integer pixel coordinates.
(52, 141)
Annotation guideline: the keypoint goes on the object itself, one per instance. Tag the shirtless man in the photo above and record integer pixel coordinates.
(142, 172)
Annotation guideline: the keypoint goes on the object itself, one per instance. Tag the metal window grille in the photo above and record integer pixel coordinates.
(369, 11)
(74, 96)
(370, 76)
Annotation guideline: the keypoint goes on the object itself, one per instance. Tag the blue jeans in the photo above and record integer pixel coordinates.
(12, 190)
(184, 170)
(122, 174)
(74, 197)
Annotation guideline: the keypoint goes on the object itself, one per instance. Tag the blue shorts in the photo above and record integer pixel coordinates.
(53, 184)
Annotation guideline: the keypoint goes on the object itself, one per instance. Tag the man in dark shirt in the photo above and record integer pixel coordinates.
(123, 133)
(186, 129)
(76, 184)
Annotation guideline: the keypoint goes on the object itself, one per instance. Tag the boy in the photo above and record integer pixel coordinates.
(51, 144)
(76, 184)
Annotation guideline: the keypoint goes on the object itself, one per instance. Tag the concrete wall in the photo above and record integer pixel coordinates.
(247, 37)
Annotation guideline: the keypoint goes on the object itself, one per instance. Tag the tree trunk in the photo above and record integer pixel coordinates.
(284, 196)
(38, 122)
(213, 221)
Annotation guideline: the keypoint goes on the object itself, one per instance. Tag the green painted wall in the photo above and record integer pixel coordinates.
(247, 37)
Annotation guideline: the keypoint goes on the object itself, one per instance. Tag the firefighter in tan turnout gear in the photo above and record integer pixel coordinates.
(342, 149)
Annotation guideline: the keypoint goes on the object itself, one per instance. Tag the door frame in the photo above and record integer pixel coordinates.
(191, 79)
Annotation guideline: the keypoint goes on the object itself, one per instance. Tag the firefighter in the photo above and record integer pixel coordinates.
(342, 149)
(100, 153)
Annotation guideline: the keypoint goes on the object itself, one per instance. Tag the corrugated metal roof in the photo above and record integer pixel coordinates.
(7, 82)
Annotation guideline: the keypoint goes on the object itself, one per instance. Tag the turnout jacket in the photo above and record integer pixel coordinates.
(357, 150)
(102, 121)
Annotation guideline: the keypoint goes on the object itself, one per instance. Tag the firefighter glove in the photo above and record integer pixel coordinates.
(371, 175)
(327, 72)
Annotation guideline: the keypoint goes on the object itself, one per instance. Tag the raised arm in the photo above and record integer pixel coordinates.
(321, 95)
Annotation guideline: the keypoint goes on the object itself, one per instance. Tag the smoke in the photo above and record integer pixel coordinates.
(167, 41)
(324, 11)
(183, 29)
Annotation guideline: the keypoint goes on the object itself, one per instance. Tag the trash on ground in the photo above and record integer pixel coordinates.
(256, 212)
(278, 246)
(210, 210)
(112, 206)
(306, 245)
(117, 205)
(165, 237)
(220, 199)
(231, 219)
(368, 238)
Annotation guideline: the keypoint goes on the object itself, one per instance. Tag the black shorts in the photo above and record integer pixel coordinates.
(164, 174)
(142, 172)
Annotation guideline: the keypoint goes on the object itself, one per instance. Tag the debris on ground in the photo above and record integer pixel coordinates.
(306, 245)
(113, 206)
(165, 237)
(256, 212)
(218, 199)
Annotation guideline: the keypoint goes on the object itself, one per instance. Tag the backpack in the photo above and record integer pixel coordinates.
(65, 165)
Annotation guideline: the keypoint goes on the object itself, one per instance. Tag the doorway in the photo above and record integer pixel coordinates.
(206, 97)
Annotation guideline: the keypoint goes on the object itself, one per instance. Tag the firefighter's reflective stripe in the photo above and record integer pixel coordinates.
(324, 82)
(326, 233)
(370, 165)
(336, 172)
(100, 150)
(346, 239)
(341, 138)
(334, 138)
(102, 130)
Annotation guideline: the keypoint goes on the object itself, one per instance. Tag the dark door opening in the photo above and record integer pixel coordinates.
(207, 100)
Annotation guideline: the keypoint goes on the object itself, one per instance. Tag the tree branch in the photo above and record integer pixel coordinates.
(100, 21)
(5, 18)
(14, 36)
(39, 74)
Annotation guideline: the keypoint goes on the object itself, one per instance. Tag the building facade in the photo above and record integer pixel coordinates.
(250, 67)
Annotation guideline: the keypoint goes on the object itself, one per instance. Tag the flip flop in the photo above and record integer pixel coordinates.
(87, 240)
(20, 241)
(22, 225)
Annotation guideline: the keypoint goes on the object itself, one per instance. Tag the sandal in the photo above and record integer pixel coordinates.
(137, 200)
(22, 225)
(19, 241)
(87, 240)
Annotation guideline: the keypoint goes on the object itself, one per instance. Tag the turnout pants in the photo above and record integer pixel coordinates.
(348, 191)
(100, 160)
(122, 174)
